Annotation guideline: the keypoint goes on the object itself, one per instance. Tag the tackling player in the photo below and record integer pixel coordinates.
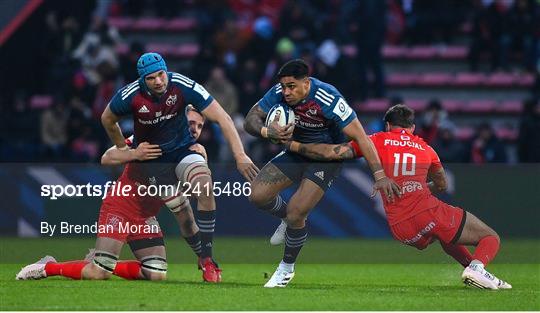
(323, 116)
(184, 213)
(418, 218)
(147, 247)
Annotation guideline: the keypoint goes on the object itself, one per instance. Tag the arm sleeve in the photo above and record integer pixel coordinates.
(197, 95)
(120, 105)
(340, 112)
(270, 98)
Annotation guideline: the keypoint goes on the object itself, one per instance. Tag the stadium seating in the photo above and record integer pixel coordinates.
(424, 70)
(462, 79)
(148, 24)
(41, 101)
(467, 79)
(464, 133)
(471, 107)
(187, 50)
(425, 52)
(452, 106)
(510, 107)
(479, 106)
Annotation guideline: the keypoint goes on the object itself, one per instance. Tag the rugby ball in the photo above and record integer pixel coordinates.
(284, 113)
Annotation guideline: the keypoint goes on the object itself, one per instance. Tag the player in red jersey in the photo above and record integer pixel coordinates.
(146, 241)
(418, 218)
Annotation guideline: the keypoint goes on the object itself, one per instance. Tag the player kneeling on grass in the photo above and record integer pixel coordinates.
(148, 248)
(418, 218)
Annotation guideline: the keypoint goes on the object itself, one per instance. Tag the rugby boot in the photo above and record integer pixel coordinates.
(476, 276)
(280, 278)
(211, 271)
(35, 270)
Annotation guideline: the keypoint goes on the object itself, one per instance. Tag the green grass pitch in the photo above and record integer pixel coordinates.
(336, 275)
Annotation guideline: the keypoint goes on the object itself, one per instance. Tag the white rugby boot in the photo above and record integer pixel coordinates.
(278, 237)
(475, 275)
(501, 284)
(280, 278)
(35, 270)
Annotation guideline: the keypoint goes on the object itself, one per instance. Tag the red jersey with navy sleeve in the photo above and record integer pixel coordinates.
(407, 159)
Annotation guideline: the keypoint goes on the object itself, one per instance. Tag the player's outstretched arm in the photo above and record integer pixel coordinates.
(254, 125)
(382, 183)
(214, 112)
(323, 151)
(145, 151)
(109, 120)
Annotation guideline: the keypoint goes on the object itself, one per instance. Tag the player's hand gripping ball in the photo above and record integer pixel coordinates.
(282, 114)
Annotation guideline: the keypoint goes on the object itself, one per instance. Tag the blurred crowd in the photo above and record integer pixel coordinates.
(243, 43)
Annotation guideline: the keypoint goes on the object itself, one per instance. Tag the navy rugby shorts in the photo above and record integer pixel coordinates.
(297, 167)
(160, 171)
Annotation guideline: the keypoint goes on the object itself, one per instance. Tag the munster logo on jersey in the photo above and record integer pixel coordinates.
(171, 100)
(309, 115)
(312, 111)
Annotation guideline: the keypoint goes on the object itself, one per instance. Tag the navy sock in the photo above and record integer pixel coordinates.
(277, 207)
(195, 243)
(294, 241)
(206, 222)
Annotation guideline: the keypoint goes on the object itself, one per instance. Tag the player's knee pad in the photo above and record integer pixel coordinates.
(105, 260)
(154, 264)
(176, 203)
(192, 167)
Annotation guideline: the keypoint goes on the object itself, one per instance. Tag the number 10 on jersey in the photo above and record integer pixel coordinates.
(407, 161)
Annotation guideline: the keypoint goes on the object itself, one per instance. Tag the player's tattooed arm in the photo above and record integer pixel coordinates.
(254, 121)
(322, 151)
(438, 181)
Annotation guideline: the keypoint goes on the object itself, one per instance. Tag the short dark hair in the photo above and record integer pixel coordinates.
(190, 108)
(399, 115)
(296, 68)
